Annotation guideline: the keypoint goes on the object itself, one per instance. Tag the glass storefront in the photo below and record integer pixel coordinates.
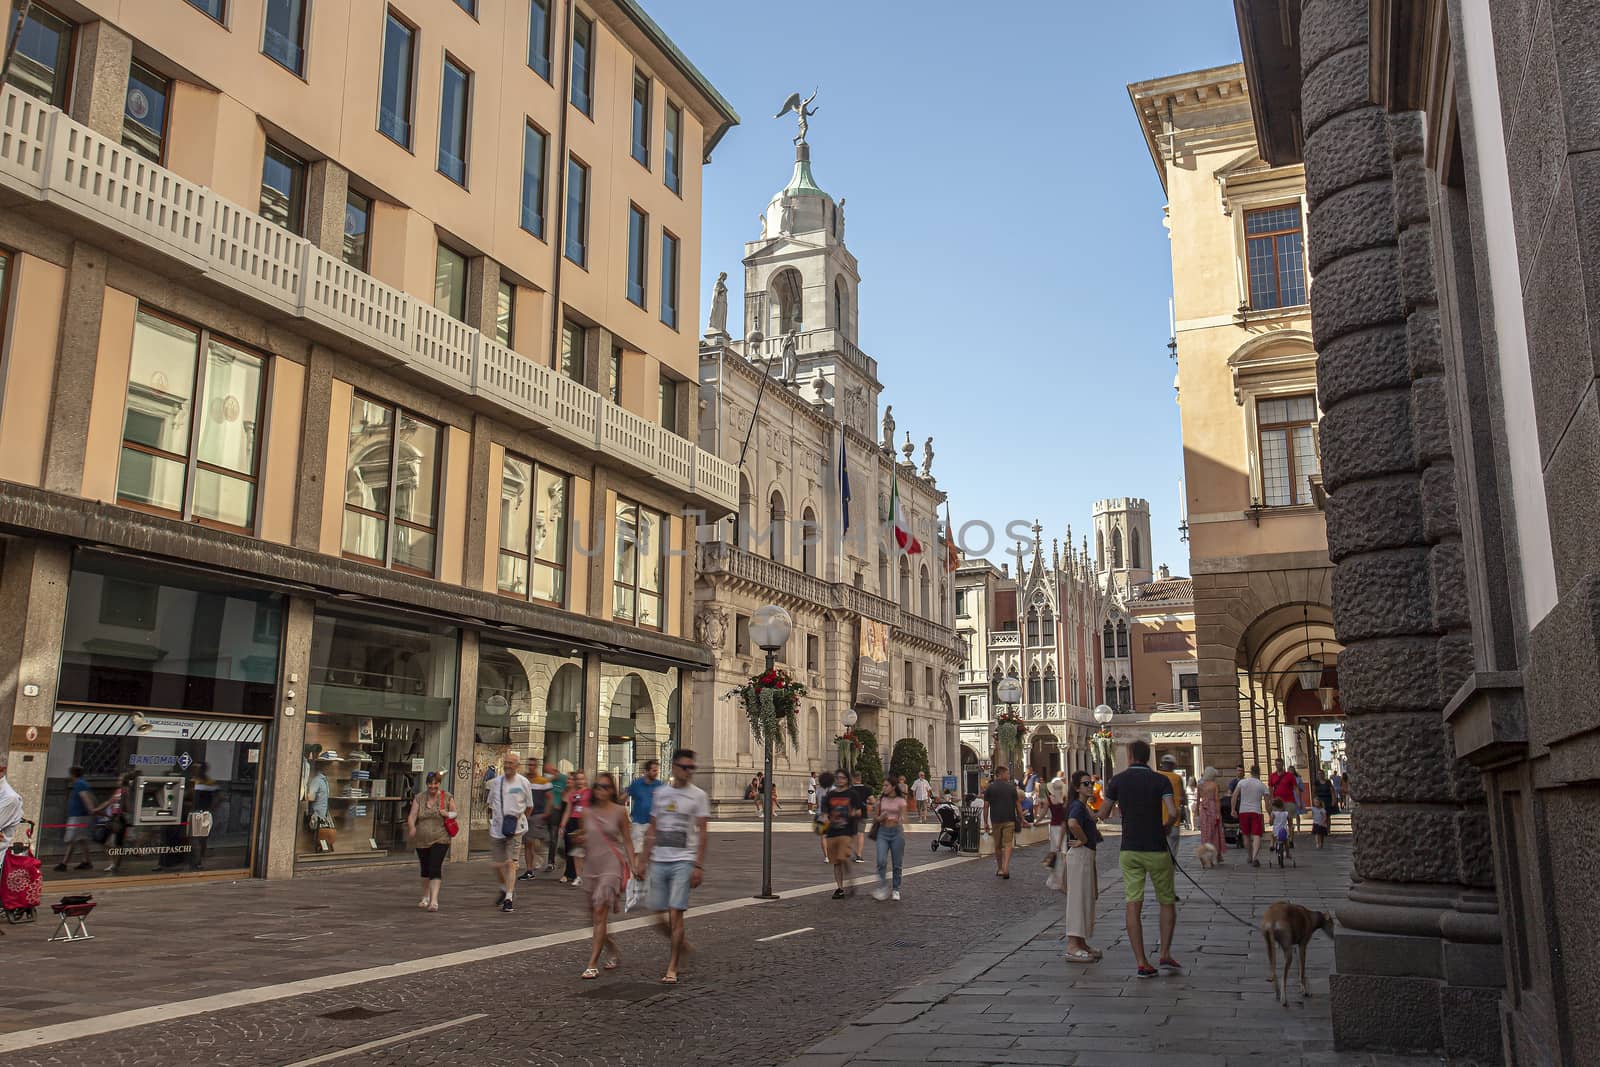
(380, 714)
(529, 702)
(640, 718)
(165, 708)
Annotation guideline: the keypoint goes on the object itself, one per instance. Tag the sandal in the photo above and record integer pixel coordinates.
(589, 973)
(1080, 956)
(670, 979)
(613, 963)
(423, 903)
(433, 907)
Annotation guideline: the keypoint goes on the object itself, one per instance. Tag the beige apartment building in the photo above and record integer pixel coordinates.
(1247, 392)
(347, 427)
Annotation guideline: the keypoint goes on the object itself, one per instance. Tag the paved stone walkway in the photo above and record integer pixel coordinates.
(1016, 1000)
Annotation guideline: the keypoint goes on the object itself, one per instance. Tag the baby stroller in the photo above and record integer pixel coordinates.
(21, 880)
(949, 827)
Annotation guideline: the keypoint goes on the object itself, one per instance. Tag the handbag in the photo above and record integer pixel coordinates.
(102, 830)
(508, 822)
(451, 826)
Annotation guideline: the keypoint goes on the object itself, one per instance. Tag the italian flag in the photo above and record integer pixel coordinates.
(902, 531)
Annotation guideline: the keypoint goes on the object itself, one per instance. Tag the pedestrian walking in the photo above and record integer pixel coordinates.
(557, 811)
(509, 797)
(891, 834)
(843, 808)
(819, 823)
(1319, 820)
(921, 791)
(1029, 784)
(1002, 815)
(1180, 797)
(811, 795)
(537, 840)
(1247, 797)
(1208, 808)
(1147, 805)
(864, 802)
(675, 854)
(1285, 786)
(572, 837)
(425, 826)
(80, 814)
(610, 860)
(1082, 837)
(115, 810)
(640, 800)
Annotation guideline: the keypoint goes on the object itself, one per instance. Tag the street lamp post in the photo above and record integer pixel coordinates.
(1103, 715)
(1010, 693)
(849, 719)
(770, 627)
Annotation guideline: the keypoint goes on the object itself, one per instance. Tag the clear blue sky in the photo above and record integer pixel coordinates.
(1006, 216)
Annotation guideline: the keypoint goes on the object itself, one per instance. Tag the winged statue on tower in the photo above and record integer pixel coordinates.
(802, 109)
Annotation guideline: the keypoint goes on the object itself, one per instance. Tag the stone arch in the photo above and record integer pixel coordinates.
(841, 305)
(777, 519)
(810, 535)
(1135, 555)
(1116, 548)
(788, 302)
(924, 592)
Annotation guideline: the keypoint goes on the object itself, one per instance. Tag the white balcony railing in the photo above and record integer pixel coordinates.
(46, 155)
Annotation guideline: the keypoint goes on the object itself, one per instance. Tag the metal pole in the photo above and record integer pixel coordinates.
(766, 805)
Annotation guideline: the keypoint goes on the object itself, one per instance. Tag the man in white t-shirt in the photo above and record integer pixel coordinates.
(921, 790)
(675, 852)
(510, 796)
(1247, 797)
(10, 808)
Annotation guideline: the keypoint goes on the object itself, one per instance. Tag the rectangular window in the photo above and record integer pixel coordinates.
(572, 342)
(641, 118)
(533, 531)
(582, 63)
(962, 704)
(741, 635)
(961, 601)
(357, 226)
(614, 376)
(577, 212)
(144, 112)
(667, 395)
(1275, 251)
(638, 579)
(672, 173)
(450, 282)
(217, 9)
(534, 146)
(927, 680)
(505, 314)
(202, 468)
(391, 484)
(41, 65)
(454, 98)
(1287, 430)
(283, 189)
(813, 653)
(284, 37)
(669, 279)
(395, 95)
(638, 253)
(910, 676)
(539, 37)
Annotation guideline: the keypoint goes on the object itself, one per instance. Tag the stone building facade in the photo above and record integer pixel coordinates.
(784, 404)
(1450, 170)
(1250, 411)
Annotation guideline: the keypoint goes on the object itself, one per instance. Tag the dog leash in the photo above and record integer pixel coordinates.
(1174, 854)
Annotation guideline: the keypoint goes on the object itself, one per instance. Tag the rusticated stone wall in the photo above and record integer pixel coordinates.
(1399, 590)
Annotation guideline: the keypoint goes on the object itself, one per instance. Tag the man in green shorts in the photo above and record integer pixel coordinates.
(1147, 804)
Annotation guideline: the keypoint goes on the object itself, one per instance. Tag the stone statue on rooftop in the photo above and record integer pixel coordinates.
(927, 458)
(719, 305)
(802, 109)
(888, 428)
(840, 227)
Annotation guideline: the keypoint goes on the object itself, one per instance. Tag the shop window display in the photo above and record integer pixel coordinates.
(640, 711)
(165, 705)
(529, 702)
(380, 714)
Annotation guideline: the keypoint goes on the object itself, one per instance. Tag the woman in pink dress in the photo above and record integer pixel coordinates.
(608, 863)
(1209, 812)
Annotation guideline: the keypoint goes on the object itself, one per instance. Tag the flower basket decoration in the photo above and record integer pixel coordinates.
(1009, 731)
(850, 748)
(772, 704)
(1103, 746)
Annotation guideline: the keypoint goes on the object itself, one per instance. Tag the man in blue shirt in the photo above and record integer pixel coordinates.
(80, 814)
(641, 801)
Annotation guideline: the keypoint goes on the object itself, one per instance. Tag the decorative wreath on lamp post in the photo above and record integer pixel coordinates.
(1103, 746)
(850, 748)
(1009, 728)
(772, 704)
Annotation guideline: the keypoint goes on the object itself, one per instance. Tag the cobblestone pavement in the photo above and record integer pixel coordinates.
(1015, 1000)
(743, 1001)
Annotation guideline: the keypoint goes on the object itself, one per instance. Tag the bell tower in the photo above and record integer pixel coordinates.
(1122, 541)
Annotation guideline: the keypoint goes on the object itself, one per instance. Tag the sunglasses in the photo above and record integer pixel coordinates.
(683, 766)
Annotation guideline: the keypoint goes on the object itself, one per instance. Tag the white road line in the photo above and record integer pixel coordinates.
(395, 1040)
(238, 998)
(791, 933)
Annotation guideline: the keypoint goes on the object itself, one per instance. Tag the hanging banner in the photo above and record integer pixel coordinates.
(872, 665)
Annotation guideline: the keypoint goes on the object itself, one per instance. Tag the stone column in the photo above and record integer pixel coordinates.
(327, 188)
(483, 294)
(33, 605)
(100, 78)
(285, 810)
(318, 422)
(67, 438)
(1417, 952)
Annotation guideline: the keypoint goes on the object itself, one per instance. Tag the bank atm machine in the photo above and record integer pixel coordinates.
(158, 800)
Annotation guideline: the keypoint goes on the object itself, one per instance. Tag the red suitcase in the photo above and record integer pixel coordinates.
(21, 882)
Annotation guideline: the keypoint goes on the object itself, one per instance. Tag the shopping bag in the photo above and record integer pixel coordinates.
(636, 893)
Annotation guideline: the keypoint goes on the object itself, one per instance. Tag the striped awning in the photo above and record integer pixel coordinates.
(121, 724)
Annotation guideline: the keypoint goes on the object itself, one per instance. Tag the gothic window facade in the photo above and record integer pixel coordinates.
(1049, 636)
(1108, 641)
(1124, 695)
(1035, 687)
(1033, 628)
(1122, 639)
(1116, 549)
(1051, 695)
(1135, 553)
(1111, 693)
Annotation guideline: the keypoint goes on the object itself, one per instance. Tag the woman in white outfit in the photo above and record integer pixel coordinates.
(1081, 838)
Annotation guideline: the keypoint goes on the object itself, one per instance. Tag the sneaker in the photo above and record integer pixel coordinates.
(549, 866)
(506, 906)
(1170, 966)
(858, 859)
(1146, 972)
(576, 882)
(501, 899)
(838, 894)
(880, 894)
(61, 866)
(564, 880)
(525, 876)
(895, 895)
